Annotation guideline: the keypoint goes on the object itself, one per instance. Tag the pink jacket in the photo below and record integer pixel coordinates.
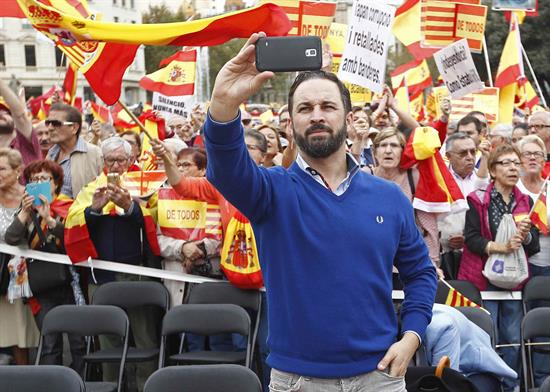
(471, 264)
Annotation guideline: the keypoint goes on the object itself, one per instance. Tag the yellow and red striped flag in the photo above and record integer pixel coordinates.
(292, 10)
(177, 78)
(437, 23)
(455, 298)
(437, 190)
(417, 75)
(69, 84)
(143, 183)
(406, 27)
(539, 213)
(316, 17)
(100, 113)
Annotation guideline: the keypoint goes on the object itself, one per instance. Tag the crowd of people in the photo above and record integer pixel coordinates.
(277, 175)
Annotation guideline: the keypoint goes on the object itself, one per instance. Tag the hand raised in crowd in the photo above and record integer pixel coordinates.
(159, 149)
(43, 210)
(390, 99)
(485, 148)
(120, 196)
(26, 208)
(399, 355)
(236, 81)
(100, 198)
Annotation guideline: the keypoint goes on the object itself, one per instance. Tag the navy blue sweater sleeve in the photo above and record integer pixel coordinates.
(416, 271)
(231, 170)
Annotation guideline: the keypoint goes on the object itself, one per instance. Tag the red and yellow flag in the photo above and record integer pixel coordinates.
(72, 27)
(78, 244)
(455, 298)
(143, 183)
(175, 79)
(436, 190)
(539, 216)
(69, 84)
(417, 75)
(316, 17)
(406, 27)
(40, 106)
(292, 10)
(100, 113)
(526, 96)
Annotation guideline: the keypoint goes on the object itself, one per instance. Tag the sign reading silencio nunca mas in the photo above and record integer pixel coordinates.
(169, 106)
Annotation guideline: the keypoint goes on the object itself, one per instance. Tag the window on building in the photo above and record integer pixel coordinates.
(132, 4)
(30, 56)
(116, 19)
(2, 57)
(114, 2)
(60, 59)
(124, 3)
(33, 91)
(25, 24)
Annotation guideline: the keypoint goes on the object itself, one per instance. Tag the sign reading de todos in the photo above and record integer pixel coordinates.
(366, 49)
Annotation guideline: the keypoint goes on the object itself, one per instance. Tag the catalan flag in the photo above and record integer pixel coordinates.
(100, 113)
(316, 17)
(177, 78)
(436, 190)
(406, 27)
(69, 84)
(455, 299)
(143, 183)
(417, 75)
(72, 27)
(78, 244)
(292, 10)
(437, 23)
(539, 216)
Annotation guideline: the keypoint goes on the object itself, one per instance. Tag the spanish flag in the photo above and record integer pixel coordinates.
(156, 128)
(417, 75)
(401, 95)
(39, 104)
(100, 113)
(78, 244)
(69, 84)
(526, 96)
(406, 27)
(539, 216)
(70, 27)
(436, 190)
(175, 79)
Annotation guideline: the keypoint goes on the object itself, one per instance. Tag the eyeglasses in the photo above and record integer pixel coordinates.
(464, 153)
(538, 126)
(112, 161)
(40, 179)
(508, 162)
(57, 123)
(185, 165)
(532, 154)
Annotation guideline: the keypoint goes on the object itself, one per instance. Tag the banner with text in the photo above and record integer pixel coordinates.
(364, 59)
(169, 106)
(458, 70)
(316, 17)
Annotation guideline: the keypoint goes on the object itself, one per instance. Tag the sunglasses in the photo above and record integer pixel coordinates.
(57, 123)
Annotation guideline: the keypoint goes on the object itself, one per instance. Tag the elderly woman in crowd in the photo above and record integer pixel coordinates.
(17, 327)
(273, 156)
(41, 226)
(388, 148)
(487, 208)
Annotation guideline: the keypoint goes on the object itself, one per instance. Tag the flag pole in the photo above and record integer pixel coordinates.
(142, 127)
(487, 64)
(542, 189)
(533, 74)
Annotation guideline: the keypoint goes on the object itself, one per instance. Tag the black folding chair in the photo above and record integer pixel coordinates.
(537, 289)
(226, 293)
(480, 318)
(39, 379)
(128, 295)
(89, 321)
(206, 320)
(465, 287)
(534, 325)
(203, 378)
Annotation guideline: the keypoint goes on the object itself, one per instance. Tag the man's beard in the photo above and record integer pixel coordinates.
(321, 147)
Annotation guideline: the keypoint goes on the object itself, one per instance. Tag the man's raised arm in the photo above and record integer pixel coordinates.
(21, 121)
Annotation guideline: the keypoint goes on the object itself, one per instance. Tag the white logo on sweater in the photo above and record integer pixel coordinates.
(380, 219)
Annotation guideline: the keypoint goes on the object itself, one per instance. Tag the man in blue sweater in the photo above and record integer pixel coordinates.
(328, 235)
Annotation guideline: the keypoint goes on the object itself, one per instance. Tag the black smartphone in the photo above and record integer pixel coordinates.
(288, 54)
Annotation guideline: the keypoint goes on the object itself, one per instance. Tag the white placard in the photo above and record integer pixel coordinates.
(457, 68)
(364, 59)
(169, 106)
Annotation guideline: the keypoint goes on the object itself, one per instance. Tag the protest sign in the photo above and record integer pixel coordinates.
(364, 59)
(173, 105)
(458, 70)
(316, 17)
(336, 38)
(486, 101)
(470, 24)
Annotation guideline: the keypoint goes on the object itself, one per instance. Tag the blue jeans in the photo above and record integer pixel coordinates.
(541, 362)
(507, 316)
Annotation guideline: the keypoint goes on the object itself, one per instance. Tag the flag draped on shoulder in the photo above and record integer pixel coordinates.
(78, 244)
(436, 190)
(406, 27)
(72, 27)
(177, 78)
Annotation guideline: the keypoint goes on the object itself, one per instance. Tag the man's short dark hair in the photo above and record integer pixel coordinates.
(259, 137)
(470, 120)
(72, 114)
(308, 75)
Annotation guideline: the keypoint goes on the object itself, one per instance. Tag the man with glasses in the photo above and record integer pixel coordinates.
(539, 124)
(16, 128)
(81, 161)
(461, 153)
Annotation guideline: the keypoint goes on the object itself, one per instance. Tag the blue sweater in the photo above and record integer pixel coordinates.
(326, 262)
